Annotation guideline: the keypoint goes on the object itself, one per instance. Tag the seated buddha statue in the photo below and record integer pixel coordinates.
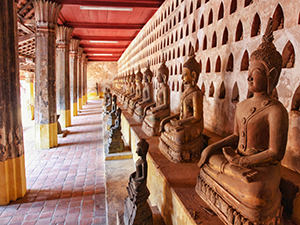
(181, 137)
(147, 95)
(240, 174)
(125, 88)
(138, 92)
(131, 93)
(157, 111)
(107, 100)
(112, 113)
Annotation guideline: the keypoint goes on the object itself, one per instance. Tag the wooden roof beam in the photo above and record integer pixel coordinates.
(104, 38)
(121, 26)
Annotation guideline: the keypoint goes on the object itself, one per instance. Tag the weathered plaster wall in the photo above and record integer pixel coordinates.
(170, 33)
(101, 73)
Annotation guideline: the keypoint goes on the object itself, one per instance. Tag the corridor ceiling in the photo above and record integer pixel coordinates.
(105, 27)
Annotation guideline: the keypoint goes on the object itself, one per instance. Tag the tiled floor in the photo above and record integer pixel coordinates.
(65, 184)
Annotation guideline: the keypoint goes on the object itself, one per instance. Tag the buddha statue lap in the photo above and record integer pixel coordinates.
(132, 92)
(147, 95)
(240, 174)
(181, 139)
(138, 92)
(159, 110)
(137, 210)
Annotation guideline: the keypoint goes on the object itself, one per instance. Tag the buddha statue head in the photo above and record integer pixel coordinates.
(139, 76)
(191, 69)
(265, 64)
(142, 148)
(163, 73)
(148, 74)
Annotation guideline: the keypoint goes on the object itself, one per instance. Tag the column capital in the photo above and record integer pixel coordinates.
(46, 14)
(63, 36)
(74, 44)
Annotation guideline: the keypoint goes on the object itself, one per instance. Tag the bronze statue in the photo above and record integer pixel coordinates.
(112, 114)
(181, 138)
(107, 101)
(132, 92)
(240, 174)
(138, 92)
(147, 95)
(157, 111)
(137, 210)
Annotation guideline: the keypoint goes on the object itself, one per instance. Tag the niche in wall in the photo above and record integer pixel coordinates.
(245, 61)
(239, 32)
(221, 11)
(256, 26)
(229, 67)
(203, 88)
(211, 89)
(222, 91)
(225, 36)
(218, 64)
(288, 56)
(207, 66)
(235, 97)
(233, 6)
(296, 100)
(278, 18)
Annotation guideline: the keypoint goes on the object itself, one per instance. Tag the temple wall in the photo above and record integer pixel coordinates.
(224, 57)
(101, 73)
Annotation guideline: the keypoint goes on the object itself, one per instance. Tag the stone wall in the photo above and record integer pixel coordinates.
(101, 73)
(223, 33)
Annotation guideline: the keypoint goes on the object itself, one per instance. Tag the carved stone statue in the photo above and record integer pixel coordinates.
(137, 210)
(126, 88)
(240, 174)
(138, 92)
(115, 142)
(181, 139)
(107, 100)
(131, 94)
(147, 95)
(112, 114)
(161, 108)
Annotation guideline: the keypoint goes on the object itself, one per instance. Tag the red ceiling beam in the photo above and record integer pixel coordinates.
(124, 26)
(142, 4)
(104, 38)
(89, 52)
(99, 47)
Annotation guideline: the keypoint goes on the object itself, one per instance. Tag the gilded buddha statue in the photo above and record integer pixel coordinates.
(147, 95)
(138, 92)
(131, 93)
(240, 174)
(157, 111)
(181, 138)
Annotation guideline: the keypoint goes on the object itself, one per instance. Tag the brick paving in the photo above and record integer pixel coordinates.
(65, 185)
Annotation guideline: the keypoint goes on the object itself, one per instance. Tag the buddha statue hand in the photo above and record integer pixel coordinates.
(234, 158)
(206, 153)
(166, 120)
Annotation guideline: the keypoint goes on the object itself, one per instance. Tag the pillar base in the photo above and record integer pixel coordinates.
(13, 180)
(80, 103)
(75, 111)
(46, 135)
(65, 118)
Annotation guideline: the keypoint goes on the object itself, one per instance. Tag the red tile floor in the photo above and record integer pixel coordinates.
(65, 185)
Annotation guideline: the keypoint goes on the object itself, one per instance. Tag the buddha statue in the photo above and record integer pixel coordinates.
(125, 87)
(240, 174)
(132, 92)
(147, 95)
(181, 138)
(113, 112)
(157, 111)
(138, 92)
(137, 210)
(107, 101)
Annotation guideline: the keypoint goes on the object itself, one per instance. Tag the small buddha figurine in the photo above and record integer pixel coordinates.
(112, 112)
(137, 210)
(157, 111)
(132, 92)
(107, 100)
(147, 95)
(126, 88)
(138, 92)
(181, 138)
(240, 174)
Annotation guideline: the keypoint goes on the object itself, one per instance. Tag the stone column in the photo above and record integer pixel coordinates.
(63, 35)
(46, 14)
(74, 44)
(12, 166)
(79, 79)
(85, 81)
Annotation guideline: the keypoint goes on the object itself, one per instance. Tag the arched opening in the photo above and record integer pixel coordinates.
(239, 32)
(221, 11)
(203, 88)
(173, 86)
(222, 91)
(187, 30)
(256, 24)
(181, 33)
(191, 7)
(202, 22)
(174, 53)
(172, 39)
(229, 67)
(180, 69)
(198, 4)
(183, 50)
(176, 36)
(184, 14)
(288, 56)
(245, 61)
(206, 1)
(233, 6)
(190, 47)
(278, 18)
(200, 65)
(175, 72)
(171, 71)
(179, 17)
(296, 100)
(218, 64)
(197, 45)
(225, 36)
(248, 2)
(214, 40)
(177, 89)
(211, 90)
(204, 43)
(235, 97)
(178, 52)
(174, 21)
(208, 66)
(176, 3)
(210, 17)
(194, 27)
